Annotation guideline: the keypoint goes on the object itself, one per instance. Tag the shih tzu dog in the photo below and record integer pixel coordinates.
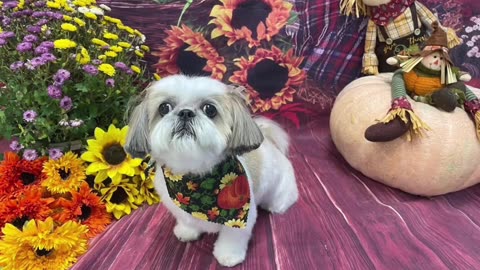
(214, 162)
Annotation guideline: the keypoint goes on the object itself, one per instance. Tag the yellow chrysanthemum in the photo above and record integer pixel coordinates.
(41, 245)
(64, 44)
(200, 215)
(138, 33)
(116, 49)
(111, 54)
(156, 76)
(120, 198)
(79, 21)
(99, 42)
(107, 69)
(112, 20)
(44, 28)
(64, 174)
(139, 53)
(102, 57)
(68, 8)
(172, 177)
(69, 27)
(67, 18)
(1, 4)
(106, 154)
(79, 3)
(236, 223)
(83, 57)
(125, 45)
(90, 15)
(126, 28)
(227, 179)
(135, 69)
(145, 48)
(54, 5)
(109, 35)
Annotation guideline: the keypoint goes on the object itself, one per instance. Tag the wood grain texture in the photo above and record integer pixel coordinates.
(343, 220)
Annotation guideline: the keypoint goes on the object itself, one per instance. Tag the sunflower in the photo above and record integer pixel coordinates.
(120, 198)
(170, 176)
(107, 156)
(146, 190)
(86, 208)
(17, 173)
(269, 77)
(188, 52)
(65, 174)
(25, 206)
(251, 20)
(236, 223)
(41, 245)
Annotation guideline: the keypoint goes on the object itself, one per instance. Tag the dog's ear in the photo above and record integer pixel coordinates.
(246, 135)
(137, 143)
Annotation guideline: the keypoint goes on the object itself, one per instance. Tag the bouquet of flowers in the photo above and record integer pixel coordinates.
(67, 68)
(244, 43)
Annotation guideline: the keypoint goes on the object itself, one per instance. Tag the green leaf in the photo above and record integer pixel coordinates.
(208, 184)
(194, 207)
(196, 195)
(81, 87)
(223, 213)
(206, 200)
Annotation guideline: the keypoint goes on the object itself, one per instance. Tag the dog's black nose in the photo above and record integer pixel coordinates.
(186, 114)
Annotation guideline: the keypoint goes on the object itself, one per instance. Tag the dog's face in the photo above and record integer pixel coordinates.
(191, 118)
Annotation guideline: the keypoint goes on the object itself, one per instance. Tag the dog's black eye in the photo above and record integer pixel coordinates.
(164, 108)
(209, 110)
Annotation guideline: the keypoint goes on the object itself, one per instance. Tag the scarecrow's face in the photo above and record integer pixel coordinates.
(433, 61)
(374, 3)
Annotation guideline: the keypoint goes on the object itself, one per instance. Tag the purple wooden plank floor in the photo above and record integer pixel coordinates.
(342, 221)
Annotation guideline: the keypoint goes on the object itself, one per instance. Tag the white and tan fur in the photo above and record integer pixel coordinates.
(260, 144)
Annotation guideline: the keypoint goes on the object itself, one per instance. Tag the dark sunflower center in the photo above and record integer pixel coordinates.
(249, 14)
(20, 221)
(64, 174)
(267, 78)
(119, 196)
(190, 63)
(27, 178)
(86, 212)
(114, 154)
(43, 252)
(90, 180)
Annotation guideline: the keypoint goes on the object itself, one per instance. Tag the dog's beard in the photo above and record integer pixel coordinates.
(184, 129)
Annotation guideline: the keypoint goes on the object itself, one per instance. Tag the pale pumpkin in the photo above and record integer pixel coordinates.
(446, 159)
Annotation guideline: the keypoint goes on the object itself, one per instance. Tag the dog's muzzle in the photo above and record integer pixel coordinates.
(184, 126)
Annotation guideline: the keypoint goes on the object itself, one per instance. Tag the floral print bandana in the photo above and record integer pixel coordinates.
(221, 196)
(382, 14)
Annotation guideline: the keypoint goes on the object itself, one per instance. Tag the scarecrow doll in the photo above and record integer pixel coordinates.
(427, 76)
(393, 26)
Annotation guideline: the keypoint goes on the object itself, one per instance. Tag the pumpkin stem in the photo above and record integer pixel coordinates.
(417, 127)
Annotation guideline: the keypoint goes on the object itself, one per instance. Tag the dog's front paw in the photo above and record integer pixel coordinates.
(185, 233)
(229, 258)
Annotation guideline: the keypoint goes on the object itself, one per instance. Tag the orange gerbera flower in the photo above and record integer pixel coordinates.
(188, 52)
(252, 20)
(270, 78)
(17, 173)
(86, 208)
(27, 205)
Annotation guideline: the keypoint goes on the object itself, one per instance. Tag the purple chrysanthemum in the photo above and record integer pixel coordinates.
(6, 21)
(121, 66)
(30, 155)
(96, 62)
(15, 146)
(61, 76)
(38, 14)
(34, 29)
(55, 153)
(47, 44)
(37, 61)
(41, 50)
(48, 57)
(24, 46)
(2, 42)
(66, 103)
(39, 4)
(49, 14)
(110, 82)
(30, 38)
(10, 5)
(54, 92)
(90, 69)
(41, 22)
(29, 116)
(16, 65)
(129, 71)
(7, 35)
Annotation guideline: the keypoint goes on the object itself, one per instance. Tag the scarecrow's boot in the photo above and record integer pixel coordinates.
(385, 132)
(445, 99)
